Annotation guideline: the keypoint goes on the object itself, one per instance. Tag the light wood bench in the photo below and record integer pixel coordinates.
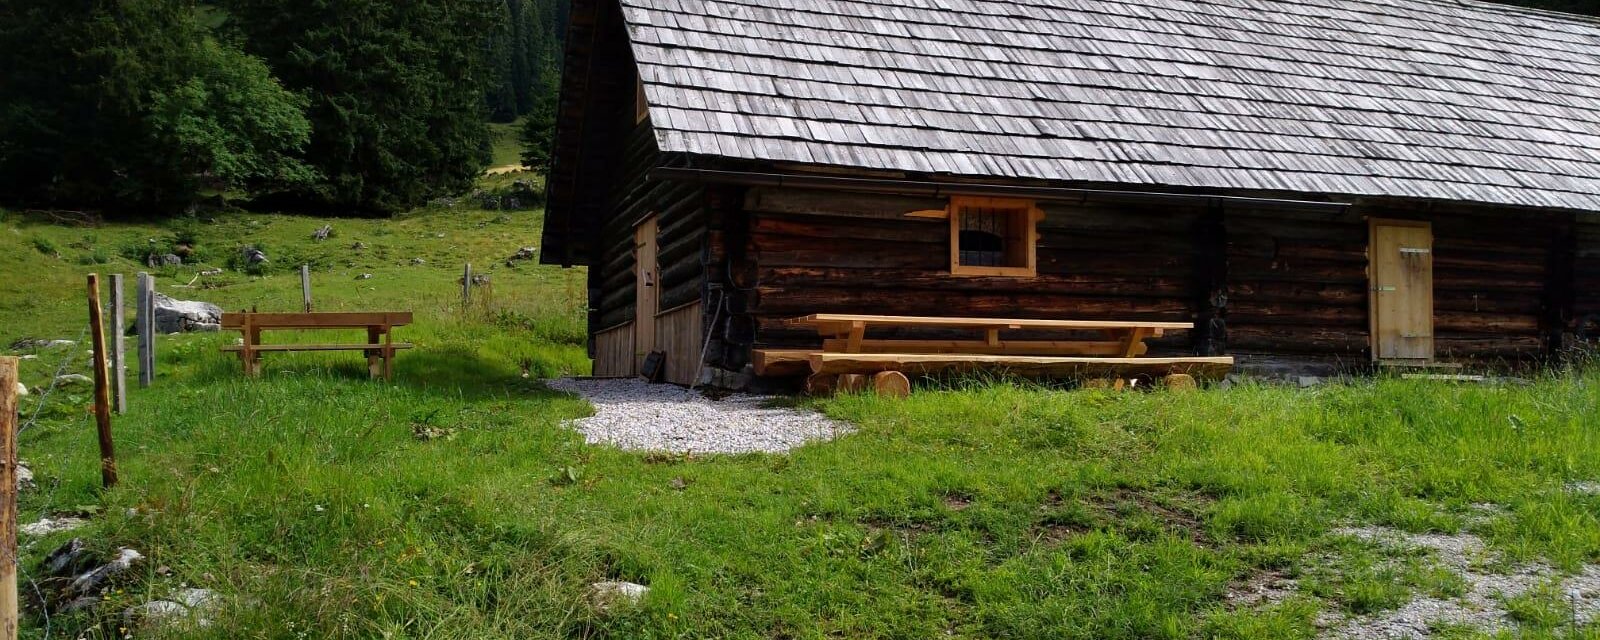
(1114, 351)
(380, 346)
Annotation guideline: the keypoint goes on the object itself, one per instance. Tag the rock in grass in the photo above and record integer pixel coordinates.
(364, 276)
(92, 581)
(178, 316)
(155, 613)
(69, 559)
(606, 596)
(24, 476)
(47, 526)
(323, 233)
(253, 255)
(71, 379)
(30, 344)
(418, 262)
(525, 253)
(22, 389)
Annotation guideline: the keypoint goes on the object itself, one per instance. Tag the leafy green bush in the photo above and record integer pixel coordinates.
(45, 246)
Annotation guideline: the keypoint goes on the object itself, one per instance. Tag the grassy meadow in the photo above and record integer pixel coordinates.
(453, 503)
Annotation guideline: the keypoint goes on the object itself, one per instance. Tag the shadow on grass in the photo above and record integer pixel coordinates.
(452, 370)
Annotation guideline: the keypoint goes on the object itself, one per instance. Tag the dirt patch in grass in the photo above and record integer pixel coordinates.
(1135, 512)
(1263, 587)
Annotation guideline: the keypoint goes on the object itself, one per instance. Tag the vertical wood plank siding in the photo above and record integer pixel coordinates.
(613, 352)
(679, 333)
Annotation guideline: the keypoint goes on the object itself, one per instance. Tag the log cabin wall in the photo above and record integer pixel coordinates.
(618, 153)
(1276, 288)
(1585, 321)
(827, 252)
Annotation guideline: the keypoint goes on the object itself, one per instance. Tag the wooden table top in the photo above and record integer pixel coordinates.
(317, 319)
(824, 321)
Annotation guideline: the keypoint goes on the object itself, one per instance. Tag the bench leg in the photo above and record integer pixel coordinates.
(373, 366)
(891, 384)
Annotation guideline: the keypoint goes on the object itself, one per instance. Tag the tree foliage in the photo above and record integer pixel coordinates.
(132, 103)
(395, 89)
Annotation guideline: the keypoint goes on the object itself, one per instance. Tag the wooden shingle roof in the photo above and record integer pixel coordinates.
(1433, 99)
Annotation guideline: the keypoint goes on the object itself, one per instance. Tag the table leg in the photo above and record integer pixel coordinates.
(1133, 344)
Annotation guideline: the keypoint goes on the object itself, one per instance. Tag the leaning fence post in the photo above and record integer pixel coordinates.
(102, 386)
(144, 317)
(305, 286)
(8, 497)
(466, 285)
(119, 348)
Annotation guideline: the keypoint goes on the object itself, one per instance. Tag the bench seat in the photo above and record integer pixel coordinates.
(776, 362)
(319, 347)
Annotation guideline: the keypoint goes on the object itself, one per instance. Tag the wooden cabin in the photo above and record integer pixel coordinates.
(1317, 185)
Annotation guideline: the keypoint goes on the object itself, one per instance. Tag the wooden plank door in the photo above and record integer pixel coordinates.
(1401, 273)
(646, 292)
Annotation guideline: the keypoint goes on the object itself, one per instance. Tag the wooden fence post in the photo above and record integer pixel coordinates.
(466, 285)
(8, 497)
(144, 317)
(119, 348)
(305, 286)
(102, 386)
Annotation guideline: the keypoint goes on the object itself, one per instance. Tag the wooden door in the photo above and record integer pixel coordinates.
(1401, 272)
(646, 292)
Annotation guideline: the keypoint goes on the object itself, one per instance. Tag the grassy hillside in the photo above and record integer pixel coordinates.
(453, 504)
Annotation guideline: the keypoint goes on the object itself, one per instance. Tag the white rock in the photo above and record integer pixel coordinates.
(155, 613)
(73, 378)
(606, 595)
(176, 316)
(22, 389)
(24, 476)
(47, 526)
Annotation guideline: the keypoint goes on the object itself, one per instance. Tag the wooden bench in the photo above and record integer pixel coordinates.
(1115, 349)
(380, 346)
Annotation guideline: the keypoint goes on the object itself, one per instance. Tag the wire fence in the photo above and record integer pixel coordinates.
(44, 401)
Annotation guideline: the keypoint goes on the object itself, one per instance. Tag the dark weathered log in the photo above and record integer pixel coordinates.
(1079, 284)
(1298, 292)
(1244, 269)
(1297, 339)
(1249, 312)
(832, 203)
(913, 230)
(802, 301)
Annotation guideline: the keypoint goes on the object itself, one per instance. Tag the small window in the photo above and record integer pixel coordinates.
(993, 236)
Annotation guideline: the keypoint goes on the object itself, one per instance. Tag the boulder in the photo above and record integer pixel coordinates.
(92, 581)
(22, 389)
(212, 272)
(253, 255)
(177, 316)
(24, 476)
(155, 613)
(323, 233)
(364, 276)
(605, 596)
(525, 253)
(418, 262)
(70, 379)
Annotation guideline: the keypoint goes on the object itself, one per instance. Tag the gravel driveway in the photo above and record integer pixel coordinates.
(636, 415)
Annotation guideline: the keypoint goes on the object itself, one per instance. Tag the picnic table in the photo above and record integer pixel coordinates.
(1115, 348)
(380, 346)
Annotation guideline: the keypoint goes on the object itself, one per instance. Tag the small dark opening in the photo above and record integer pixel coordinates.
(982, 248)
(983, 237)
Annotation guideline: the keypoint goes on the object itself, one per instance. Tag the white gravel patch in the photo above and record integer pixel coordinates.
(636, 415)
(1482, 606)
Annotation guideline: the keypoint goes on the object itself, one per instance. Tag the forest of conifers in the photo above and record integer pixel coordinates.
(150, 106)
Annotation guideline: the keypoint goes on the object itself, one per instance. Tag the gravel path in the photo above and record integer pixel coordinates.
(636, 415)
(1482, 606)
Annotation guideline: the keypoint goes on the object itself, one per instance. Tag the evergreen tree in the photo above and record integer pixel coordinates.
(539, 130)
(120, 104)
(396, 92)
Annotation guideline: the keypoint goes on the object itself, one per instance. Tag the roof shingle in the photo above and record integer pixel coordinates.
(1441, 99)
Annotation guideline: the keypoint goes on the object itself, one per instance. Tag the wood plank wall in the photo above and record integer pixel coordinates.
(819, 252)
(679, 333)
(613, 352)
(1295, 282)
(1586, 278)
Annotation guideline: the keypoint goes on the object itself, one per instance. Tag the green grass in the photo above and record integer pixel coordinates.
(507, 141)
(971, 510)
